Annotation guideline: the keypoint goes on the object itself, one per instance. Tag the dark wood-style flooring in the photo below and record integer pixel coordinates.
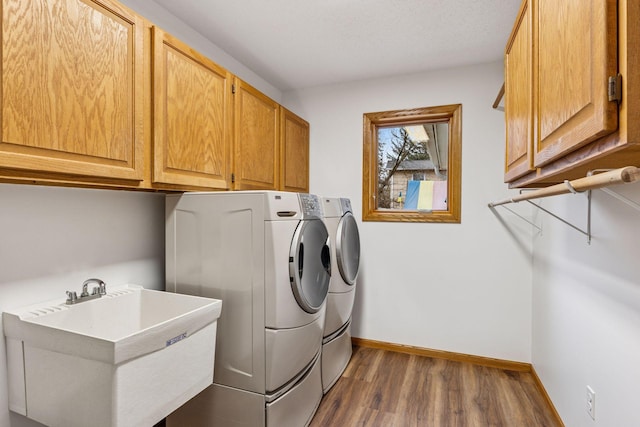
(390, 389)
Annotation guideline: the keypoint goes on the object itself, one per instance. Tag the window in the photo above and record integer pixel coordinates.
(412, 165)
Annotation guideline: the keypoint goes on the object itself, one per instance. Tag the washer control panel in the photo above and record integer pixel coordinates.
(310, 204)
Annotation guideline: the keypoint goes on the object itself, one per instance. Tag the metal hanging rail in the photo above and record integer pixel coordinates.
(592, 181)
(624, 175)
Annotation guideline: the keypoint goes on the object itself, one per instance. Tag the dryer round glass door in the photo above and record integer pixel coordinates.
(310, 264)
(348, 248)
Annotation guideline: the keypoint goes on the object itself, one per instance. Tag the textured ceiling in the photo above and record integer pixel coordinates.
(294, 44)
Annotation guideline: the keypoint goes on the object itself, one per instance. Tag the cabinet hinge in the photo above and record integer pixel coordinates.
(233, 88)
(233, 178)
(614, 88)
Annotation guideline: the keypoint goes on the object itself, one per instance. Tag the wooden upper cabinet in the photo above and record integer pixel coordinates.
(256, 139)
(72, 89)
(192, 116)
(518, 72)
(584, 90)
(576, 52)
(94, 95)
(294, 152)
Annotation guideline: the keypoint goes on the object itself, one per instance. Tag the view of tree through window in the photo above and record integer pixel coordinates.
(408, 155)
(412, 165)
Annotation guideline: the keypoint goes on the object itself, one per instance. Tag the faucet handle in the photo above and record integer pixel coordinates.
(71, 297)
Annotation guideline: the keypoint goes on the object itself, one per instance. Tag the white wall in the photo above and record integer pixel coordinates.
(52, 239)
(586, 309)
(159, 16)
(490, 286)
(457, 287)
(484, 287)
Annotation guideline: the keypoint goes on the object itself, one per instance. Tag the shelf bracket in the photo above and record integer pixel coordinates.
(586, 232)
(622, 198)
(614, 194)
(595, 179)
(527, 220)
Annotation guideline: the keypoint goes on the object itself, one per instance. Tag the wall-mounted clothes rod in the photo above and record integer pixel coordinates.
(592, 181)
(496, 103)
(624, 175)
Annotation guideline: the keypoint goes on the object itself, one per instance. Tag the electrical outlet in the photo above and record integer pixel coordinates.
(591, 402)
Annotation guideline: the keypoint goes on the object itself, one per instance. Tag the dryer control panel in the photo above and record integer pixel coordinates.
(346, 205)
(310, 204)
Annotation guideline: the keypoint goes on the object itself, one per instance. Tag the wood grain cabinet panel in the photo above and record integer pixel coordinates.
(94, 95)
(585, 88)
(576, 54)
(256, 139)
(294, 149)
(72, 89)
(518, 71)
(192, 116)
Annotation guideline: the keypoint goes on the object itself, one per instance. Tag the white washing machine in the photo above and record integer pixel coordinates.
(345, 264)
(266, 255)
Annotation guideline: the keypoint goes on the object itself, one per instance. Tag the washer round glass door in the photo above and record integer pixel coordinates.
(348, 248)
(310, 264)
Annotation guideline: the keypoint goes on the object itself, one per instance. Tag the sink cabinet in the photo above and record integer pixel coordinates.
(72, 90)
(562, 115)
(192, 116)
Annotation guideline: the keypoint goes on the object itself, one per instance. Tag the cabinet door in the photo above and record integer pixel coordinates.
(294, 152)
(518, 96)
(576, 53)
(256, 159)
(72, 89)
(192, 116)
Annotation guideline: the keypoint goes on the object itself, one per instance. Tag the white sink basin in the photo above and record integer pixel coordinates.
(127, 359)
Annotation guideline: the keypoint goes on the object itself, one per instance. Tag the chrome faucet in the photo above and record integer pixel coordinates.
(96, 292)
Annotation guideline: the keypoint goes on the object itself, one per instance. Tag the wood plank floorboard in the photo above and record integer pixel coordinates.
(390, 389)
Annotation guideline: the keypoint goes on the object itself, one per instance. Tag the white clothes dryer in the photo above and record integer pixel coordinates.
(266, 255)
(345, 265)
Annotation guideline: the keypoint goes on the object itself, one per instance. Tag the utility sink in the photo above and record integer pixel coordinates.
(129, 358)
